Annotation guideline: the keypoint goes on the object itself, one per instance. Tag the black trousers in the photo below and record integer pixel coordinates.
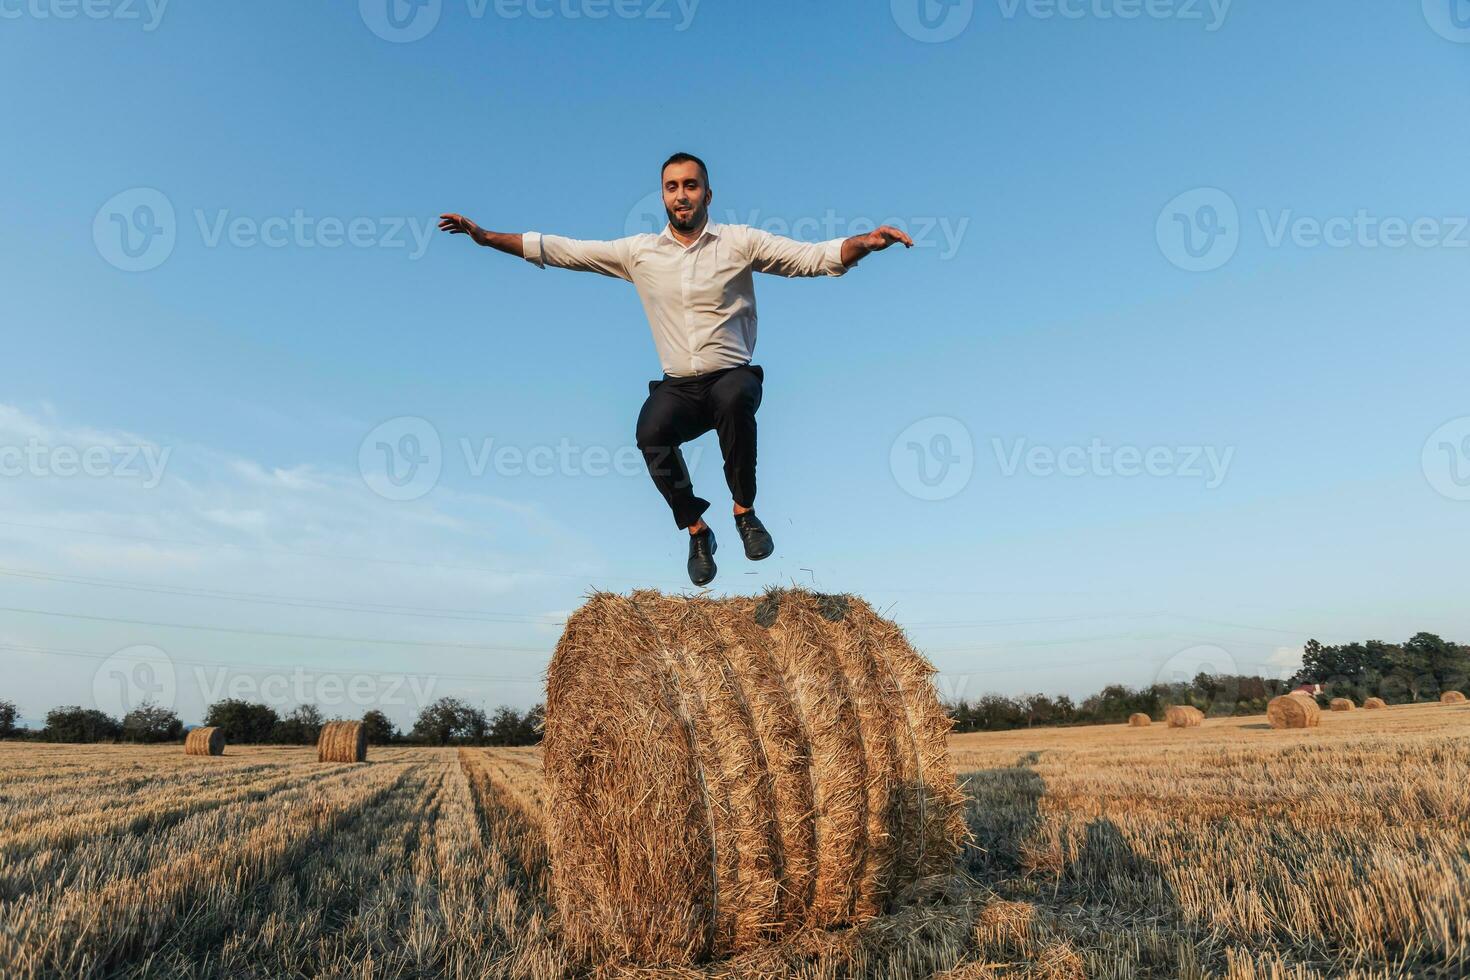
(681, 409)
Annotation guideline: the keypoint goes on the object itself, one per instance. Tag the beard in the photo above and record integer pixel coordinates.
(695, 219)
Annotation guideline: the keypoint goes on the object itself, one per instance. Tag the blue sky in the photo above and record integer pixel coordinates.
(1226, 241)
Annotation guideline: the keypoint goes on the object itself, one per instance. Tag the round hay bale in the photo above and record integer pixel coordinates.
(342, 741)
(1139, 720)
(205, 741)
(1342, 704)
(1452, 697)
(1373, 704)
(1293, 711)
(1184, 716)
(722, 772)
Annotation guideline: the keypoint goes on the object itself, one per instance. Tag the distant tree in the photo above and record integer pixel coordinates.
(379, 729)
(510, 727)
(243, 722)
(303, 726)
(7, 719)
(450, 721)
(74, 723)
(1445, 663)
(150, 723)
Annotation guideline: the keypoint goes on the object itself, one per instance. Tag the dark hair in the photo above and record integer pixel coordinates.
(684, 158)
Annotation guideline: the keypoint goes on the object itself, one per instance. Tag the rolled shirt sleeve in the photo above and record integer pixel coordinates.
(781, 256)
(609, 258)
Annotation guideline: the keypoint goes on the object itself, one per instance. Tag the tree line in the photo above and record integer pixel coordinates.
(448, 721)
(1419, 669)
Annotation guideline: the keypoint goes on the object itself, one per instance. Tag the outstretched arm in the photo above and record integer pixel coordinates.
(610, 258)
(458, 224)
(783, 256)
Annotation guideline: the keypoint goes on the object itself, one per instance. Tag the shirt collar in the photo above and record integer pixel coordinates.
(711, 228)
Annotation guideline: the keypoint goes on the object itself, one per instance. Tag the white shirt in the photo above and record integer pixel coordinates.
(700, 298)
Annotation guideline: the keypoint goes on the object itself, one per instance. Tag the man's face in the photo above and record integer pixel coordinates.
(686, 198)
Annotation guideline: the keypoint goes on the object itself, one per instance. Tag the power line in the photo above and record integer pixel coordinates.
(299, 602)
(279, 635)
(95, 655)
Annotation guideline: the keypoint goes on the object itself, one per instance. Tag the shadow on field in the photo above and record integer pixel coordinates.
(1256, 728)
(1003, 811)
(1004, 814)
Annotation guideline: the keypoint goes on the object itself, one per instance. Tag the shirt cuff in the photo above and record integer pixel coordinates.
(832, 258)
(531, 247)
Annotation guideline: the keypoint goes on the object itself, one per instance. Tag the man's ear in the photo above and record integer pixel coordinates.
(709, 195)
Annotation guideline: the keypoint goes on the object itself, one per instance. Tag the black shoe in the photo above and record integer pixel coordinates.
(702, 556)
(758, 543)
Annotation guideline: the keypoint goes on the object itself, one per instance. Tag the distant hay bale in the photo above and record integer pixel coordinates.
(205, 741)
(342, 741)
(1452, 697)
(1342, 704)
(1184, 716)
(1139, 720)
(722, 772)
(1373, 704)
(1293, 711)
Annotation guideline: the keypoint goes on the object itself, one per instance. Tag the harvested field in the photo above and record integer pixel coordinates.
(1238, 852)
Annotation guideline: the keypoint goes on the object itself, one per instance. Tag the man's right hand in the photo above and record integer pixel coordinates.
(458, 224)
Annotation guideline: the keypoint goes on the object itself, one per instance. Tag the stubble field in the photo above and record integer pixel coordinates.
(1230, 850)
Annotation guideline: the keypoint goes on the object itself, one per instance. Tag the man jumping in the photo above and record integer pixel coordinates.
(694, 278)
